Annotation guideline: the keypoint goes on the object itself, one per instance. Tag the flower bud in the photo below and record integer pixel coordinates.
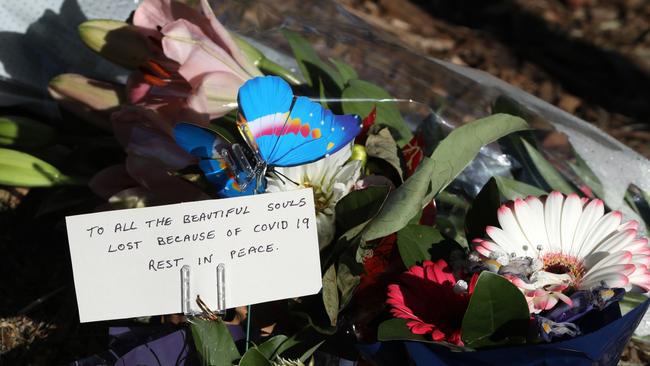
(21, 131)
(90, 99)
(118, 42)
(359, 153)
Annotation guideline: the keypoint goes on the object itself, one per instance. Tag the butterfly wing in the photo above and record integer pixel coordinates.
(312, 133)
(232, 189)
(197, 141)
(288, 131)
(205, 144)
(264, 104)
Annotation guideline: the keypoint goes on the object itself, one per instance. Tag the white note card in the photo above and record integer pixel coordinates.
(127, 263)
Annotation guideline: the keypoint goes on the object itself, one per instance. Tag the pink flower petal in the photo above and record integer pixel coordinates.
(641, 278)
(186, 44)
(419, 327)
(222, 38)
(145, 133)
(155, 14)
(216, 94)
(137, 89)
(129, 115)
(565, 299)
(111, 180)
(166, 187)
(483, 251)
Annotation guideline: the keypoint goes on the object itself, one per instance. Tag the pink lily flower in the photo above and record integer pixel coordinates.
(152, 154)
(202, 66)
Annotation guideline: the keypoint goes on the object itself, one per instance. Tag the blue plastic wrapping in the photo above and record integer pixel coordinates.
(600, 347)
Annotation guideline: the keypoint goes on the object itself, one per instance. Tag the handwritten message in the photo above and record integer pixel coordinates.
(127, 263)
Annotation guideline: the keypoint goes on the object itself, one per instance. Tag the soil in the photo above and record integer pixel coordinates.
(588, 57)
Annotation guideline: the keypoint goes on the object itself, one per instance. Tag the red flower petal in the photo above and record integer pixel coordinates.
(366, 124)
(425, 296)
(413, 153)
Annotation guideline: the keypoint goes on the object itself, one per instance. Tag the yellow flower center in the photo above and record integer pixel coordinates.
(321, 199)
(560, 263)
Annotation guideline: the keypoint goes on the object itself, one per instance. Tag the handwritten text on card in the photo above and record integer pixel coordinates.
(127, 263)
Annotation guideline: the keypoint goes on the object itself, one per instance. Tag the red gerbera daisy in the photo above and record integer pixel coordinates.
(428, 298)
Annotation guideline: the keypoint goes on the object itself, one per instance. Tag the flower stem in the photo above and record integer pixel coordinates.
(248, 326)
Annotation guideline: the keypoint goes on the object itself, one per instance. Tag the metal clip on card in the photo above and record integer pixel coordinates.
(186, 296)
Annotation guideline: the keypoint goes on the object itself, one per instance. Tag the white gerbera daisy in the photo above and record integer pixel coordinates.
(331, 178)
(572, 241)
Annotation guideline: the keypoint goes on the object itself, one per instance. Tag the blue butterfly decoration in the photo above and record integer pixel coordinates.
(281, 130)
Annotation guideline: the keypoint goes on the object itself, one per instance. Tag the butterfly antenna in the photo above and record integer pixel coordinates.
(280, 176)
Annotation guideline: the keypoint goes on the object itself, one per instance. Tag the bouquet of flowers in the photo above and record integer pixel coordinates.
(445, 246)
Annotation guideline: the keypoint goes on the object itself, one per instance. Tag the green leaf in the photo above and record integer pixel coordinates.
(512, 189)
(402, 204)
(331, 294)
(449, 159)
(382, 146)
(322, 93)
(346, 282)
(345, 244)
(387, 112)
(582, 170)
(505, 104)
(268, 67)
(414, 243)
(292, 341)
(483, 211)
(457, 202)
(497, 313)
(310, 64)
(307, 354)
(453, 227)
(297, 344)
(416, 219)
(546, 170)
(462, 145)
(253, 357)
(226, 128)
(397, 330)
(637, 199)
(213, 342)
(347, 72)
(630, 301)
(252, 54)
(271, 346)
(264, 64)
(25, 132)
(19, 169)
(359, 206)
